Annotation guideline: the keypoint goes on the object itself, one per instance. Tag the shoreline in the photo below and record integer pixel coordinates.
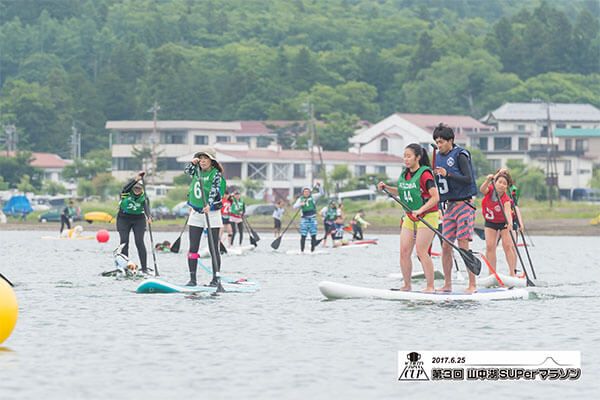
(550, 227)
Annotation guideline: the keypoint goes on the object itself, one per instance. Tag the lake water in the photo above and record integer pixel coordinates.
(83, 336)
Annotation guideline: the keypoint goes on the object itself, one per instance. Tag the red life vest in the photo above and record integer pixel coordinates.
(226, 207)
(492, 210)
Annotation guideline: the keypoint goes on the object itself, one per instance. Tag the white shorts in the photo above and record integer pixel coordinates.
(198, 219)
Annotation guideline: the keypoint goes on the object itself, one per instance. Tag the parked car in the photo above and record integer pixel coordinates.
(181, 209)
(260, 209)
(161, 212)
(54, 216)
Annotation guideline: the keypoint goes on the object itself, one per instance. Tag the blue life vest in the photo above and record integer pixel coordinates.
(455, 190)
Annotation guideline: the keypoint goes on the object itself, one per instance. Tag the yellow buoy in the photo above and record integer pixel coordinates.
(9, 310)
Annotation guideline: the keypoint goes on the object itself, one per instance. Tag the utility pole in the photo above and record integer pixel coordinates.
(11, 138)
(551, 167)
(154, 110)
(75, 143)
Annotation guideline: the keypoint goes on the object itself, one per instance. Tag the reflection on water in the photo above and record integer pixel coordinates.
(80, 335)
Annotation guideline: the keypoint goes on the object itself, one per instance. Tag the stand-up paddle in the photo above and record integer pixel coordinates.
(275, 244)
(471, 262)
(528, 257)
(211, 244)
(148, 219)
(177, 243)
(529, 281)
(250, 229)
(6, 279)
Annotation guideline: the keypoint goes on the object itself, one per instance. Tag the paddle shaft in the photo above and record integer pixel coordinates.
(276, 242)
(460, 251)
(211, 244)
(528, 257)
(6, 279)
(529, 282)
(250, 229)
(150, 228)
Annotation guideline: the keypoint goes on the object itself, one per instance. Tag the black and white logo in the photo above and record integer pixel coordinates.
(450, 161)
(413, 368)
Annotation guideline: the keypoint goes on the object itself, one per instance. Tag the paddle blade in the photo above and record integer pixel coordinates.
(256, 237)
(275, 244)
(252, 241)
(480, 233)
(222, 248)
(176, 245)
(471, 262)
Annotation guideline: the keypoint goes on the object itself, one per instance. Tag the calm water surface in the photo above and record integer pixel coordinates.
(80, 335)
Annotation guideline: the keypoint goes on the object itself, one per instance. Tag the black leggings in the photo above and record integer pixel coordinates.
(195, 236)
(240, 227)
(125, 223)
(64, 221)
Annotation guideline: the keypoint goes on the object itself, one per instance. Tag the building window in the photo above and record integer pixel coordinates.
(173, 137)
(502, 143)
(263, 141)
(243, 139)
(483, 143)
(523, 142)
(495, 164)
(126, 164)
(567, 167)
(581, 145)
(568, 144)
(128, 137)
(561, 126)
(281, 172)
(200, 139)
(380, 169)
(257, 171)
(169, 164)
(299, 171)
(521, 128)
(360, 170)
(233, 170)
(575, 126)
(383, 145)
(544, 131)
(223, 139)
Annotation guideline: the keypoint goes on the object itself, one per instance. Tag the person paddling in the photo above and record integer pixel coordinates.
(207, 176)
(416, 187)
(65, 217)
(358, 223)
(237, 211)
(329, 213)
(492, 207)
(308, 221)
(225, 217)
(456, 182)
(277, 214)
(133, 213)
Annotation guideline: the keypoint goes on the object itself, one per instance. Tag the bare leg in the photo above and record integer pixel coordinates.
(424, 238)
(491, 238)
(407, 243)
(447, 265)
(464, 244)
(509, 251)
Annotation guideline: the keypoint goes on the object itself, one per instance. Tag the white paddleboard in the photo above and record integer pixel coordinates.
(507, 280)
(306, 252)
(333, 290)
(231, 251)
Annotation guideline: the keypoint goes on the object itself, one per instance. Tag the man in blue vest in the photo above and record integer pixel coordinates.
(456, 185)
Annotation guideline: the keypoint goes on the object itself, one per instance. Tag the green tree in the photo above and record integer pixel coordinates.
(339, 176)
(53, 188)
(85, 188)
(595, 181)
(337, 130)
(25, 185)
(105, 185)
(252, 187)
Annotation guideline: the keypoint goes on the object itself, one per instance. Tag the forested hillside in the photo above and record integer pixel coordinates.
(65, 62)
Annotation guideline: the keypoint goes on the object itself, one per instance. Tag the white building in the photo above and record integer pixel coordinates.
(522, 134)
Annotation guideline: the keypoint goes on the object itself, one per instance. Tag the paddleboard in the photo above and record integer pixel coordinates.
(509, 281)
(306, 252)
(231, 251)
(333, 290)
(68, 238)
(154, 285)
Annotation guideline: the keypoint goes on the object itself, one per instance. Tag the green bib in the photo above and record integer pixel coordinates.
(309, 204)
(515, 193)
(410, 191)
(237, 206)
(331, 214)
(194, 194)
(131, 204)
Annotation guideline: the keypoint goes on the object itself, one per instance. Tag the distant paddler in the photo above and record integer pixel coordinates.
(207, 183)
(133, 213)
(416, 187)
(358, 223)
(308, 217)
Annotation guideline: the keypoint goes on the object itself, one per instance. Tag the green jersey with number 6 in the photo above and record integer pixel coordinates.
(410, 190)
(207, 178)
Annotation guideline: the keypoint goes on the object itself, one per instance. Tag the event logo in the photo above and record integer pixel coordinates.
(413, 368)
(450, 161)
